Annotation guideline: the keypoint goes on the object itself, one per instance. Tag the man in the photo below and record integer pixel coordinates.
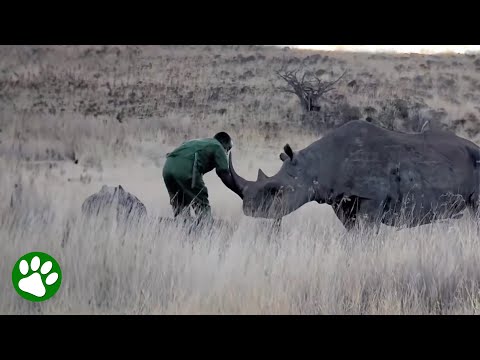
(184, 169)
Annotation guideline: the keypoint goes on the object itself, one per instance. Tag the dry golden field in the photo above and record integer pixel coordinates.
(73, 118)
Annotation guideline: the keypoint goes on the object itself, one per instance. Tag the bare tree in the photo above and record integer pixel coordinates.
(309, 91)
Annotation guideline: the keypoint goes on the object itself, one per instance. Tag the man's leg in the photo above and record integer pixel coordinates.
(180, 206)
(201, 204)
(177, 196)
(186, 196)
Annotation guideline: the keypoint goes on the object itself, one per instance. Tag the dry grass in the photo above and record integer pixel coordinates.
(312, 267)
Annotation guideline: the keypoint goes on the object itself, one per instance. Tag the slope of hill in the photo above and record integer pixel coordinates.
(190, 91)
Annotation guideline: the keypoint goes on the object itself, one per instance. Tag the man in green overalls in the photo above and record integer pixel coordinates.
(184, 169)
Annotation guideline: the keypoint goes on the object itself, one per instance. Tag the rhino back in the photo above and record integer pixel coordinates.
(365, 160)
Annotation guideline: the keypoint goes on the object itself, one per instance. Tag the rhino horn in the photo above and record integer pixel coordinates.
(239, 182)
(261, 175)
(283, 156)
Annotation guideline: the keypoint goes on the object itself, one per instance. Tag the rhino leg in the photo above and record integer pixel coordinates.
(346, 212)
(350, 211)
(348, 221)
(372, 212)
(277, 223)
(275, 230)
(474, 208)
(475, 203)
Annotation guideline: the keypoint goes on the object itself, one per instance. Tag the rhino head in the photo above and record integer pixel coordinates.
(276, 196)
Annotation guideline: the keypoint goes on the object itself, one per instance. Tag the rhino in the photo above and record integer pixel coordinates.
(364, 171)
(126, 205)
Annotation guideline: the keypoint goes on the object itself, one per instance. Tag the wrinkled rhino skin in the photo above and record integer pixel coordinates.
(363, 170)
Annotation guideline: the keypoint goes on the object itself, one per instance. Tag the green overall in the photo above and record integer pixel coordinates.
(183, 174)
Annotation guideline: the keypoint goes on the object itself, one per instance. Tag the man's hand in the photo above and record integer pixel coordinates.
(227, 179)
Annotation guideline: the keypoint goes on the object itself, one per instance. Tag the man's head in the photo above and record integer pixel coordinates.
(225, 140)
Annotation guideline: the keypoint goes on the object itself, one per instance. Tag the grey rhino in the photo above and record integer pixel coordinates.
(366, 171)
(126, 205)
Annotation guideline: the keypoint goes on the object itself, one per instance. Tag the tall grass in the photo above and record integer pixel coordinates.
(311, 266)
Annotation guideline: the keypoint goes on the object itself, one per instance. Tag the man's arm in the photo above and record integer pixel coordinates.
(227, 179)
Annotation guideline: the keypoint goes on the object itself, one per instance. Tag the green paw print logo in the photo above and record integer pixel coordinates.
(36, 276)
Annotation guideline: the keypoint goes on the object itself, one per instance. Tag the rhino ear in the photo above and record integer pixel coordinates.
(283, 156)
(288, 150)
(261, 175)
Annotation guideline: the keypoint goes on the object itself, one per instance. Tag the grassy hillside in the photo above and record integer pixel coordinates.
(189, 91)
(74, 118)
